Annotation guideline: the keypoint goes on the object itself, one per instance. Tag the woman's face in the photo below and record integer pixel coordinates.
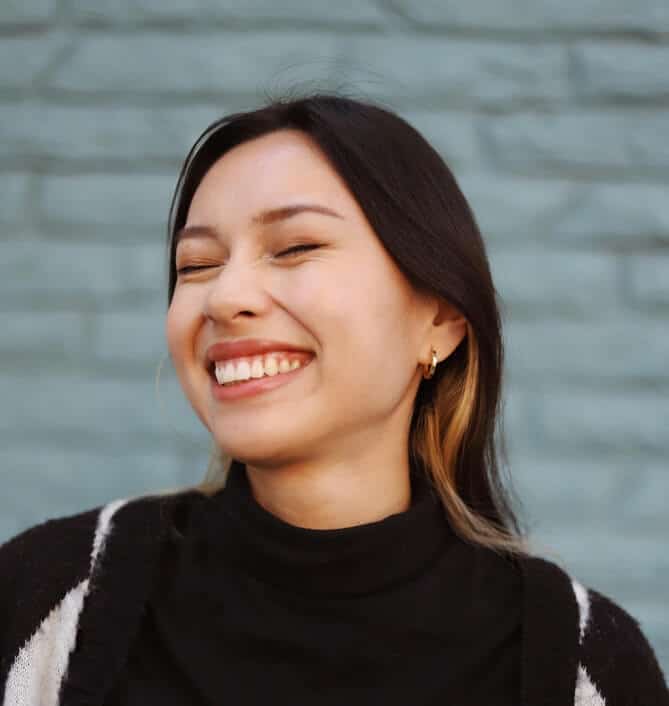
(346, 301)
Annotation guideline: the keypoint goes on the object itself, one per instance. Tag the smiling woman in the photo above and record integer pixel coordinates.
(333, 322)
(369, 287)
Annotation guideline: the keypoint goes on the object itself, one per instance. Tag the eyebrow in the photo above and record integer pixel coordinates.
(264, 218)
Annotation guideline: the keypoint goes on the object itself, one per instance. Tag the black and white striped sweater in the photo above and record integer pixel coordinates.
(72, 591)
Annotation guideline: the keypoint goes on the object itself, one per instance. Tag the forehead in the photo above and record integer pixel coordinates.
(283, 167)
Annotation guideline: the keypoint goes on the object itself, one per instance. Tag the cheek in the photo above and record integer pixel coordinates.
(362, 318)
(379, 319)
(178, 330)
(172, 329)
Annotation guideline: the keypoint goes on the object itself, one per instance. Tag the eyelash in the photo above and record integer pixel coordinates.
(298, 248)
(294, 250)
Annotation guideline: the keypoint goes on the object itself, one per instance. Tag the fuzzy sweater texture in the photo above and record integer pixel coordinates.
(73, 590)
(250, 607)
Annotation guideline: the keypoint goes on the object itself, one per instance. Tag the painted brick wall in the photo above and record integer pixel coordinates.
(553, 116)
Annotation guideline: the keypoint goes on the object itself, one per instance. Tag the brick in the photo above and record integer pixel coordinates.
(208, 11)
(111, 133)
(479, 72)
(536, 282)
(106, 410)
(597, 141)
(593, 556)
(630, 421)
(37, 56)
(79, 134)
(221, 64)
(642, 503)
(518, 416)
(590, 490)
(51, 481)
(648, 280)
(23, 11)
(605, 69)
(178, 419)
(513, 209)
(616, 214)
(645, 15)
(552, 210)
(150, 271)
(80, 276)
(130, 336)
(452, 134)
(40, 335)
(14, 189)
(613, 350)
(455, 71)
(122, 202)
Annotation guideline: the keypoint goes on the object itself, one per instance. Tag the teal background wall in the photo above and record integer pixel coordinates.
(554, 118)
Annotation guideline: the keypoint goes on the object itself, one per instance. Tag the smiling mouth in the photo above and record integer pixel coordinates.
(211, 371)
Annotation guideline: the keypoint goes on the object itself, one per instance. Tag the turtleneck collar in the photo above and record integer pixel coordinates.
(231, 527)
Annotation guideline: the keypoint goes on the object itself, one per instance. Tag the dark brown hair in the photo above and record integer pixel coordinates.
(413, 203)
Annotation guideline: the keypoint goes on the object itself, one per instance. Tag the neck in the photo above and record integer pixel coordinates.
(322, 495)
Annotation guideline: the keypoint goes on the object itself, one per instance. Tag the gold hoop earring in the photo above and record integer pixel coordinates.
(429, 372)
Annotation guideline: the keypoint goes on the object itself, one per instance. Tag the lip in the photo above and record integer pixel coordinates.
(225, 350)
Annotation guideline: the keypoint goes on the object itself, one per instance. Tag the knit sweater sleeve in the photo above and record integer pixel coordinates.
(617, 664)
(38, 567)
(10, 569)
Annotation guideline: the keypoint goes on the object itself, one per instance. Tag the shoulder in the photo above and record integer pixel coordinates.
(56, 544)
(49, 557)
(38, 567)
(69, 544)
(48, 570)
(57, 540)
(615, 662)
(73, 540)
(616, 659)
(50, 562)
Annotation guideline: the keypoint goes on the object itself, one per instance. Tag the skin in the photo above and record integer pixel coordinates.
(330, 448)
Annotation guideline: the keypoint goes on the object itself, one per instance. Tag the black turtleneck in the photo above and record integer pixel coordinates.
(249, 609)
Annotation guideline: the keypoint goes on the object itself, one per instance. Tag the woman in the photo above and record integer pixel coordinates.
(333, 323)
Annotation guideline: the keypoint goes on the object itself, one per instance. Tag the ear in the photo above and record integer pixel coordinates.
(445, 331)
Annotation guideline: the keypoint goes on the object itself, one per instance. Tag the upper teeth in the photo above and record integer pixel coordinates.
(245, 368)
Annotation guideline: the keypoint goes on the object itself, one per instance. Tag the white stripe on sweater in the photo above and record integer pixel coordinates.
(583, 600)
(38, 670)
(586, 693)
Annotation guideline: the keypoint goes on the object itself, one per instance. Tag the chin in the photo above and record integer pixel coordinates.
(259, 450)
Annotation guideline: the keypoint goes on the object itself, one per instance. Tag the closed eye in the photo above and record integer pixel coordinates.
(190, 268)
(298, 248)
(295, 250)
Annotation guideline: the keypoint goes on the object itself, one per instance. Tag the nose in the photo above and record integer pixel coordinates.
(239, 287)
